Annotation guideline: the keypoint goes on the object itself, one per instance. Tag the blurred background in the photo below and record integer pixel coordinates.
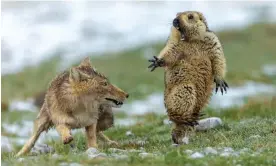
(41, 39)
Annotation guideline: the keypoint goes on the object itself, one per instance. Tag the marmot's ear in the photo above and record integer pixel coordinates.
(86, 62)
(177, 14)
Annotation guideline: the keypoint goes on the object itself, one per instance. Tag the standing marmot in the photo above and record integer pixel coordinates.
(193, 59)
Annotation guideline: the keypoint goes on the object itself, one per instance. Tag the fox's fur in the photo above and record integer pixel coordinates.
(193, 58)
(75, 99)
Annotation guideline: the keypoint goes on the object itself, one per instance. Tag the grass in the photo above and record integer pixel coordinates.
(238, 131)
(247, 51)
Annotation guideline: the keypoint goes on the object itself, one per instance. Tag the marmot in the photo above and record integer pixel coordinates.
(193, 59)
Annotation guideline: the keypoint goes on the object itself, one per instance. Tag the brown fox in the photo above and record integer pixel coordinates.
(75, 99)
(193, 59)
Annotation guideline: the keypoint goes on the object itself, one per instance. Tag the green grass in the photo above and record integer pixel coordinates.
(247, 51)
(240, 124)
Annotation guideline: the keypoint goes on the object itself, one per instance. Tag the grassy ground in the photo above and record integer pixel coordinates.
(252, 126)
(247, 51)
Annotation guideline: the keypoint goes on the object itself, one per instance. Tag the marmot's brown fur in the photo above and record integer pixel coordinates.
(193, 59)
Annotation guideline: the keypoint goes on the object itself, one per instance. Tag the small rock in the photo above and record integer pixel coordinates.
(99, 155)
(228, 149)
(141, 142)
(208, 123)
(185, 140)
(20, 159)
(188, 151)
(135, 150)
(42, 149)
(119, 157)
(56, 156)
(225, 154)
(254, 136)
(174, 145)
(129, 133)
(92, 151)
(209, 150)
(75, 164)
(197, 155)
(144, 155)
(115, 150)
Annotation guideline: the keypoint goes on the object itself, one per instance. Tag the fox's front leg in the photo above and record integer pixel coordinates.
(105, 138)
(91, 135)
(65, 133)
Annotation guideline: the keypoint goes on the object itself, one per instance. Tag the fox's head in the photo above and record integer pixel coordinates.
(89, 83)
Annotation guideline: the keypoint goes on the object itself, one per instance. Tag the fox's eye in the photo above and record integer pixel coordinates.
(190, 16)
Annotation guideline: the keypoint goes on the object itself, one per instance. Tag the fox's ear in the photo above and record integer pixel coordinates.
(86, 62)
(77, 75)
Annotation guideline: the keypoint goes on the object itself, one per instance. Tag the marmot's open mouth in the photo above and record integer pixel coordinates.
(115, 101)
(176, 24)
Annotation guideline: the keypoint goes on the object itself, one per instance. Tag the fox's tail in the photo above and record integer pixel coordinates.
(42, 123)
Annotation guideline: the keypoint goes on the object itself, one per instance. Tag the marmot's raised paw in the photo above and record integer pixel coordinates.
(155, 63)
(221, 84)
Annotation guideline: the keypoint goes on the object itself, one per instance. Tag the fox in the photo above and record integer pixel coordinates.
(78, 98)
(193, 60)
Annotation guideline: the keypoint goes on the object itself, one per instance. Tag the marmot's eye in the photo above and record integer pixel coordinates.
(190, 16)
(105, 83)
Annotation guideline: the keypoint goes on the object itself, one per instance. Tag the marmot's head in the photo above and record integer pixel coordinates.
(191, 24)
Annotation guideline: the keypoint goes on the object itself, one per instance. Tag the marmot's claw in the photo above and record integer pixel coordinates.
(155, 63)
(222, 85)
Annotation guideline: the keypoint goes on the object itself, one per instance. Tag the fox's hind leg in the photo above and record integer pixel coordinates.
(65, 133)
(180, 104)
(42, 123)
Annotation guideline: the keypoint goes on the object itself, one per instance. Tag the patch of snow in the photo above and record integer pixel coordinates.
(208, 123)
(197, 155)
(6, 145)
(23, 105)
(76, 28)
(94, 153)
(270, 70)
(234, 97)
(167, 122)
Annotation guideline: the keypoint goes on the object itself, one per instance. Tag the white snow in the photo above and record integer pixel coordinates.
(32, 32)
(269, 69)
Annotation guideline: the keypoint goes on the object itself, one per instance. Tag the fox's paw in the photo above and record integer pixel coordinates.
(155, 62)
(67, 140)
(221, 84)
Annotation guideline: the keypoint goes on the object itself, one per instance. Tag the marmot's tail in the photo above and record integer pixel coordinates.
(42, 123)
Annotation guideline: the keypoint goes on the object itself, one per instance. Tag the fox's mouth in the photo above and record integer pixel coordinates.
(115, 101)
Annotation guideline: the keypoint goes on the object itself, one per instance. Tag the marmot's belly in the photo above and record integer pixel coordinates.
(195, 71)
